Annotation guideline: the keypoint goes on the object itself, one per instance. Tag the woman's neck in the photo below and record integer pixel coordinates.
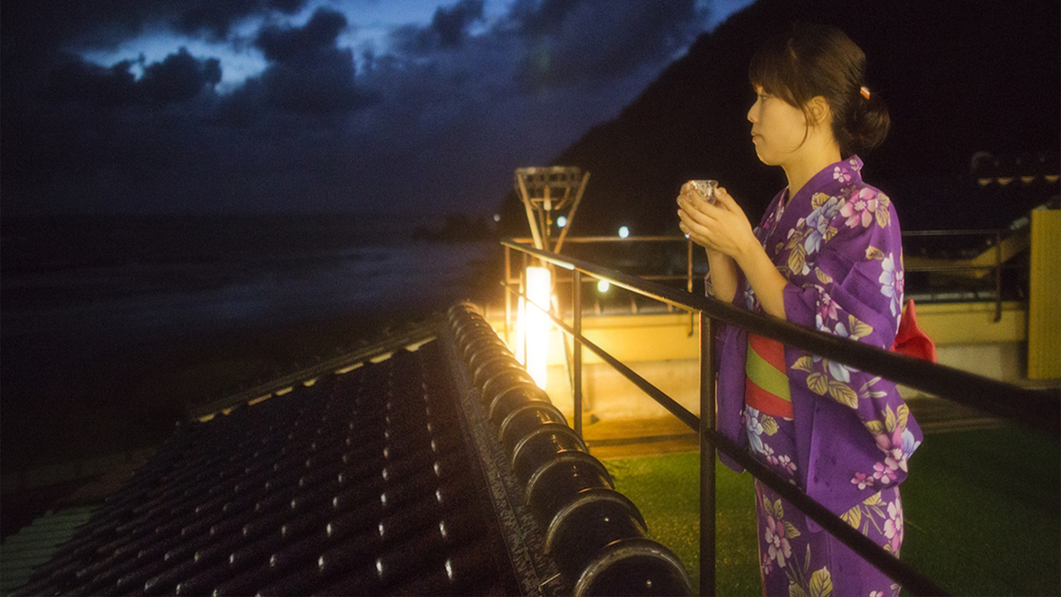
(817, 152)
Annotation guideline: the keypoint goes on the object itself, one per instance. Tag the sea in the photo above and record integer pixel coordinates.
(103, 281)
(86, 300)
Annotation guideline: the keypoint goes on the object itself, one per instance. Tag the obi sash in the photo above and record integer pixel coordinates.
(766, 389)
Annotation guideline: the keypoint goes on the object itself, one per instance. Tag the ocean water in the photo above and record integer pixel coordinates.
(75, 286)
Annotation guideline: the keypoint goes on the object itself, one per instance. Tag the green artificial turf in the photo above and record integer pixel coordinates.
(982, 508)
(983, 512)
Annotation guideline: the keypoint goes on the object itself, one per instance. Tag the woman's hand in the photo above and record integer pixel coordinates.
(723, 229)
(720, 226)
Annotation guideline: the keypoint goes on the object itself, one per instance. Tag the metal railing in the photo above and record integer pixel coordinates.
(996, 237)
(1033, 409)
(995, 240)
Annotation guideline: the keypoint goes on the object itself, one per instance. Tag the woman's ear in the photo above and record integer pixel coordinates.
(819, 111)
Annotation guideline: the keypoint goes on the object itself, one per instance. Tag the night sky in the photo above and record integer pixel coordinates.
(283, 106)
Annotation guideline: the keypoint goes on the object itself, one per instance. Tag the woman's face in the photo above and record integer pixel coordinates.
(779, 129)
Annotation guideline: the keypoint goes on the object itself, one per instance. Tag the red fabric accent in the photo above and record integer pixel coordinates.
(911, 340)
(765, 402)
(771, 351)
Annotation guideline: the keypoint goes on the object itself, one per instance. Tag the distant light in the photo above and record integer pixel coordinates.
(497, 217)
(561, 221)
(624, 232)
(603, 286)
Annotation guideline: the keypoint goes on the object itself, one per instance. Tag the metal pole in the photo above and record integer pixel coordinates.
(707, 457)
(689, 266)
(571, 214)
(531, 220)
(689, 279)
(998, 276)
(576, 323)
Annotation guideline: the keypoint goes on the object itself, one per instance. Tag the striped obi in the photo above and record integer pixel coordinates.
(767, 387)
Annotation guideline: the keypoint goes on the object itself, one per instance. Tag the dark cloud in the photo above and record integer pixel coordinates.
(542, 18)
(447, 31)
(302, 45)
(217, 17)
(78, 80)
(440, 111)
(451, 25)
(179, 77)
(325, 85)
(579, 41)
(308, 73)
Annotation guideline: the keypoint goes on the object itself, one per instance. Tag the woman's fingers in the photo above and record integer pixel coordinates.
(709, 224)
(726, 201)
(693, 235)
(699, 232)
(723, 198)
(693, 215)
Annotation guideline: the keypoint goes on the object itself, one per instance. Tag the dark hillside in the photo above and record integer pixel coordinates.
(984, 77)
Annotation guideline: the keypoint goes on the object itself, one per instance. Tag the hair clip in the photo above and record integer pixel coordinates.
(865, 91)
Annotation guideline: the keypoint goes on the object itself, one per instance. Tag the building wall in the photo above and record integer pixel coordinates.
(1044, 329)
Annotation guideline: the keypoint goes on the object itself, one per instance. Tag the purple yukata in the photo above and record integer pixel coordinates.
(841, 435)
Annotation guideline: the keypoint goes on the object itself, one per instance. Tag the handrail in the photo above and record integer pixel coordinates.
(1031, 408)
(1037, 409)
(992, 233)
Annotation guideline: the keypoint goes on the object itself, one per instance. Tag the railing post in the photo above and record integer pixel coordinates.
(998, 276)
(576, 366)
(707, 457)
(689, 266)
(689, 280)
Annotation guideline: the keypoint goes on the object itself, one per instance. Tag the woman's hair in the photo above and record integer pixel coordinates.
(811, 60)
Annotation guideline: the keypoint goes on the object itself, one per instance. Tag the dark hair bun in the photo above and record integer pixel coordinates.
(868, 125)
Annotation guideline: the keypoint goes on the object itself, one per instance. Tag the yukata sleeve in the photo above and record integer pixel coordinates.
(851, 285)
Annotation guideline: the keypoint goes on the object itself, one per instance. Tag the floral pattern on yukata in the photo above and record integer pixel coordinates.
(840, 213)
(838, 244)
(795, 561)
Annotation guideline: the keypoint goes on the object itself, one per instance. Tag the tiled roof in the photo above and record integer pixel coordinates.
(34, 544)
(387, 478)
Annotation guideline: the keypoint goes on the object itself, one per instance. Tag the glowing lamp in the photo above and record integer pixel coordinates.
(624, 231)
(603, 286)
(539, 291)
(561, 222)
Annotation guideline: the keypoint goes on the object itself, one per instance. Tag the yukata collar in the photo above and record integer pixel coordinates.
(831, 179)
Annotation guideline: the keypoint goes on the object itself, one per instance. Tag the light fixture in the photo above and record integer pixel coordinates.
(561, 222)
(539, 292)
(603, 286)
(624, 231)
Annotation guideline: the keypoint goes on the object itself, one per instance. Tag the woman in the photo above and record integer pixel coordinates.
(827, 254)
